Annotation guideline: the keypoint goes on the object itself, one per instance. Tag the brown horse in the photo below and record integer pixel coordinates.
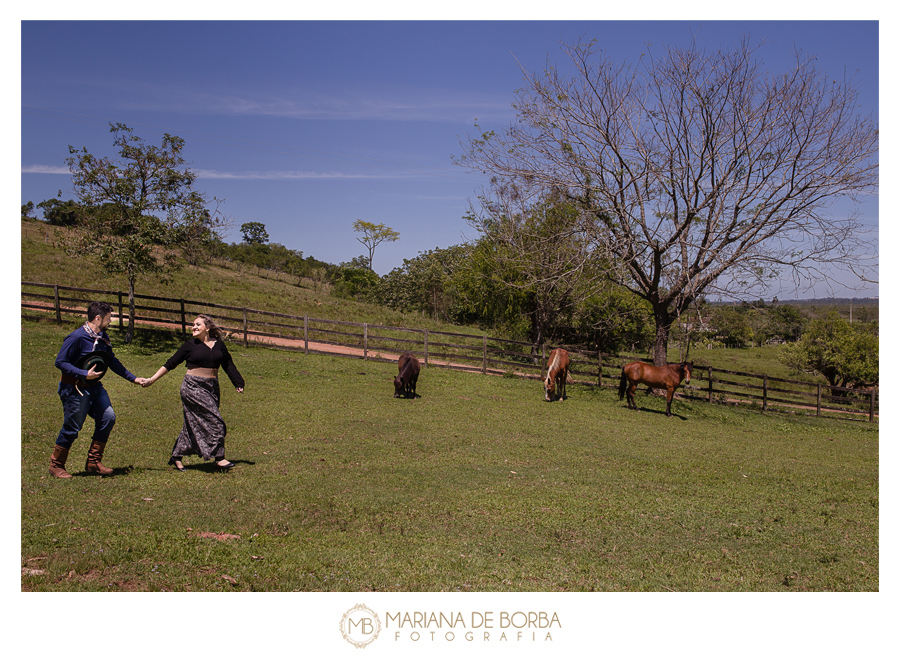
(668, 377)
(557, 374)
(405, 382)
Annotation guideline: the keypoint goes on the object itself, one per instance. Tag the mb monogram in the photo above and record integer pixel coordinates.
(360, 626)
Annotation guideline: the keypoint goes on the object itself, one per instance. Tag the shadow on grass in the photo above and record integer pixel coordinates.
(149, 341)
(659, 412)
(120, 470)
(212, 467)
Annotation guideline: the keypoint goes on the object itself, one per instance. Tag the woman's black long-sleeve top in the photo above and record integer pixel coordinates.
(198, 355)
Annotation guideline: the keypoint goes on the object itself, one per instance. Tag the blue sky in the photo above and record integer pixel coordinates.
(307, 126)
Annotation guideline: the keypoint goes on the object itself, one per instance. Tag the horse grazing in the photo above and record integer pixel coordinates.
(405, 382)
(557, 374)
(668, 377)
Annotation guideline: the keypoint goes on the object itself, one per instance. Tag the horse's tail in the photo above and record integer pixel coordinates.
(623, 384)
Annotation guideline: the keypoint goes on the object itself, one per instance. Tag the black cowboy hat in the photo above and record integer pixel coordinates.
(98, 359)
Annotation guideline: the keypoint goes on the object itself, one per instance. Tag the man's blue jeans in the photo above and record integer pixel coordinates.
(76, 408)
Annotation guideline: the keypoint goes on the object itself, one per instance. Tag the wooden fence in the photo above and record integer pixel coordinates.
(473, 353)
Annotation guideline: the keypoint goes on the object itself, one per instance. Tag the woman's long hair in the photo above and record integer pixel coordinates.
(214, 330)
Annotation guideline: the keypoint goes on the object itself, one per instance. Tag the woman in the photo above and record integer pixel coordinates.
(204, 430)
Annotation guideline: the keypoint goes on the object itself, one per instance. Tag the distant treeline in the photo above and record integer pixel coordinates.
(458, 285)
(819, 301)
(276, 258)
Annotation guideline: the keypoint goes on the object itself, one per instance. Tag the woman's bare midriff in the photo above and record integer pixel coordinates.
(209, 373)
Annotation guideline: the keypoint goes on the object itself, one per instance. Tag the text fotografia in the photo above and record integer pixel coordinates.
(479, 626)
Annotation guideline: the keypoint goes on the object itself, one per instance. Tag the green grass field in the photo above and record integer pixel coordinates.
(477, 485)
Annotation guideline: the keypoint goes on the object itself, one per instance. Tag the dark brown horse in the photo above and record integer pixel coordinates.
(557, 374)
(668, 377)
(405, 382)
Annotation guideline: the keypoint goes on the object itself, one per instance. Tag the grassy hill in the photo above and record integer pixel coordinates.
(229, 284)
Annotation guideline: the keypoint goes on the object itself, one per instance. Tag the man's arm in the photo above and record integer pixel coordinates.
(68, 354)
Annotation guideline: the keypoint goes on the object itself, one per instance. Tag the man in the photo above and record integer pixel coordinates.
(82, 393)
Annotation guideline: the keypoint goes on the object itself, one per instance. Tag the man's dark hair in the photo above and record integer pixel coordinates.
(98, 308)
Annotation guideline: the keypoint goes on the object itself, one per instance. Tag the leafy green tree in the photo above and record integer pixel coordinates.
(283, 259)
(731, 326)
(374, 235)
(426, 284)
(28, 210)
(612, 320)
(845, 354)
(197, 235)
(124, 195)
(485, 299)
(787, 322)
(254, 233)
(354, 282)
(761, 327)
(296, 266)
(60, 213)
(358, 262)
(536, 248)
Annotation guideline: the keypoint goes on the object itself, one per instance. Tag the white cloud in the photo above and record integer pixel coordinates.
(361, 107)
(284, 175)
(45, 169)
(359, 104)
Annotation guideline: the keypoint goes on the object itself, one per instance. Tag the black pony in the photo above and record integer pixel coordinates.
(405, 382)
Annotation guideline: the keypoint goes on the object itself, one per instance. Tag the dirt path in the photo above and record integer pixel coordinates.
(325, 348)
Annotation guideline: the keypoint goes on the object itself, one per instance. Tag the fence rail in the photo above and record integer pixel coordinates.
(468, 352)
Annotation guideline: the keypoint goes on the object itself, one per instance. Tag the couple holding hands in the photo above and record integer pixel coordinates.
(84, 358)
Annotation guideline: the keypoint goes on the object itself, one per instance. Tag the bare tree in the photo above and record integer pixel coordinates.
(700, 173)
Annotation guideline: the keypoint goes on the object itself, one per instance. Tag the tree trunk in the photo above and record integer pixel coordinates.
(537, 333)
(129, 335)
(536, 336)
(661, 343)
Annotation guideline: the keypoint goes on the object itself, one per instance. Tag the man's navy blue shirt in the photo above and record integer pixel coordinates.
(77, 344)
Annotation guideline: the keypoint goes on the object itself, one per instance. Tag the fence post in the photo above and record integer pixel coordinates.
(426, 348)
(306, 335)
(872, 406)
(183, 318)
(246, 337)
(765, 392)
(484, 355)
(365, 341)
(819, 399)
(709, 376)
(121, 319)
(600, 368)
(56, 303)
